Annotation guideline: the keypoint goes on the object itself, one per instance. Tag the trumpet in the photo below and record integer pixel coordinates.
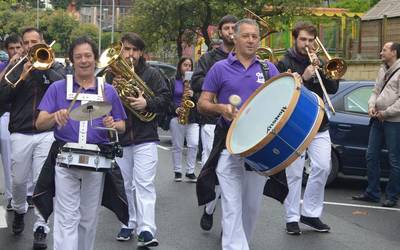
(334, 69)
(40, 55)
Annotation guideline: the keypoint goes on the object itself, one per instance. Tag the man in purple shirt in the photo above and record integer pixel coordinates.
(78, 191)
(240, 74)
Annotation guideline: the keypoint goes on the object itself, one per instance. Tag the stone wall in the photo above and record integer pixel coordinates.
(362, 69)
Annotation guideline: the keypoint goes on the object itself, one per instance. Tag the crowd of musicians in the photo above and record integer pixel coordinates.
(36, 104)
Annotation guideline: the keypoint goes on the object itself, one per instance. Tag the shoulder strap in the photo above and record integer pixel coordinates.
(264, 69)
(384, 85)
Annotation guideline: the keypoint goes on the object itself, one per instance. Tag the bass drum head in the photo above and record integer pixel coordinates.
(261, 113)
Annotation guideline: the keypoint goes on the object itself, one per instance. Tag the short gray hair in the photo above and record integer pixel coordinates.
(245, 21)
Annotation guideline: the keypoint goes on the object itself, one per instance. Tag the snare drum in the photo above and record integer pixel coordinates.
(275, 125)
(87, 158)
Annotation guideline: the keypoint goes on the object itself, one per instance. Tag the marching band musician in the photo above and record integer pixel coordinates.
(240, 74)
(179, 131)
(207, 123)
(319, 151)
(13, 46)
(139, 163)
(26, 140)
(78, 191)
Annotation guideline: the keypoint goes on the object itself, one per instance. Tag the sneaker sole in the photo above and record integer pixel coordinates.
(178, 180)
(39, 246)
(191, 181)
(123, 238)
(152, 243)
(316, 229)
(293, 233)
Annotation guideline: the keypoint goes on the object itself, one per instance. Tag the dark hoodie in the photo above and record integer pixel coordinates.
(203, 65)
(298, 63)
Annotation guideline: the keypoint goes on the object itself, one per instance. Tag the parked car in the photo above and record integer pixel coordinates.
(349, 132)
(166, 69)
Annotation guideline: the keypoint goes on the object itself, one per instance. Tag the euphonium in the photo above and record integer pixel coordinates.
(40, 55)
(129, 84)
(183, 110)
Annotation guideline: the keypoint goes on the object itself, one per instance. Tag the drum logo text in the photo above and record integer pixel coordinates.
(276, 119)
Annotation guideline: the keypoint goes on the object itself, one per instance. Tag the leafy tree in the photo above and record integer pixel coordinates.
(355, 5)
(174, 20)
(85, 29)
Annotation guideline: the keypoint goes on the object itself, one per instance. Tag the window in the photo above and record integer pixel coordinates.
(357, 100)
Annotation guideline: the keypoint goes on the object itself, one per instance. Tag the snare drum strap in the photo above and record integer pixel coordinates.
(264, 69)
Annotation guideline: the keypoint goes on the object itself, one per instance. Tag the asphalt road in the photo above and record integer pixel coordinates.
(177, 218)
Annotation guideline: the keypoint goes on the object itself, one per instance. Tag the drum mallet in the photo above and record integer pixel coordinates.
(235, 101)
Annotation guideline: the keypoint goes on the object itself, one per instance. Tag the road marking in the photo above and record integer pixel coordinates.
(359, 205)
(165, 148)
(3, 221)
(165, 136)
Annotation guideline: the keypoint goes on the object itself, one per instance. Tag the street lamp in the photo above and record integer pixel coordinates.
(101, 7)
(112, 22)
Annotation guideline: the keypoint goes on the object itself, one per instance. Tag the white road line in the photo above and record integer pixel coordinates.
(3, 221)
(362, 206)
(165, 148)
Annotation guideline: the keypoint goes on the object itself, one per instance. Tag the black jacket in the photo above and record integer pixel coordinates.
(138, 131)
(26, 97)
(204, 64)
(298, 63)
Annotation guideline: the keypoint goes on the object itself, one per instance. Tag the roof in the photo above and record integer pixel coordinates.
(390, 8)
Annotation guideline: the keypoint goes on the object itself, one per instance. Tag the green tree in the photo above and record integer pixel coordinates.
(173, 20)
(58, 25)
(355, 5)
(87, 29)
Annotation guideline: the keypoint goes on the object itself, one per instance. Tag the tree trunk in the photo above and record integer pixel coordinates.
(179, 49)
(204, 27)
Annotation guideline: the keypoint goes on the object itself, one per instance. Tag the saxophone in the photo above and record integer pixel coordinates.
(183, 110)
(129, 84)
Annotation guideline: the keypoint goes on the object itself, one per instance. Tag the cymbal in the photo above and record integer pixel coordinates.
(90, 110)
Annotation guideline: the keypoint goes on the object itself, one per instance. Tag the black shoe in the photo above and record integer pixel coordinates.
(30, 201)
(293, 228)
(39, 238)
(125, 234)
(191, 178)
(364, 197)
(178, 177)
(389, 203)
(206, 221)
(18, 223)
(9, 206)
(315, 223)
(146, 239)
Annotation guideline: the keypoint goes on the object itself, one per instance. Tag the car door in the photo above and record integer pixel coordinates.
(349, 128)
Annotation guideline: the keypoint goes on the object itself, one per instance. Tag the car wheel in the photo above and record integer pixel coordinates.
(332, 175)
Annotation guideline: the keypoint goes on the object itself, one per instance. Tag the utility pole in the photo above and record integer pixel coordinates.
(101, 12)
(112, 22)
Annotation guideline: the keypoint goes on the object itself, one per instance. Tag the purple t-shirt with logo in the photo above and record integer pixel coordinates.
(229, 77)
(178, 92)
(55, 99)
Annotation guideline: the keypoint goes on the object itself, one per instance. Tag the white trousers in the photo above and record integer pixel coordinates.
(5, 152)
(76, 208)
(207, 139)
(240, 202)
(319, 153)
(178, 134)
(139, 167)
(28, 153)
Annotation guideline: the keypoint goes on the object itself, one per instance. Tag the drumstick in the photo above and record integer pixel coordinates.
(235, 101)
(74, 100)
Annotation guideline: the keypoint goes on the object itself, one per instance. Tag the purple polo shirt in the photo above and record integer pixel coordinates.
(3, 65)
(178, 92)
(55, 99)
(229, 77)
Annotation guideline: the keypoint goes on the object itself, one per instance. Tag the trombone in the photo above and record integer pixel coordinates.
(41, 55)
(334, 69)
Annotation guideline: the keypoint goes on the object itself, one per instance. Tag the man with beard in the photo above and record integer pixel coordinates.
(384, 110)
(26, 140)
(319, 151)
(207, 123)
(139, 162)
